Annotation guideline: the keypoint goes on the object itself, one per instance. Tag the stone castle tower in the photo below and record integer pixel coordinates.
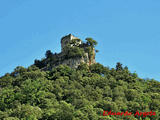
(67, 39)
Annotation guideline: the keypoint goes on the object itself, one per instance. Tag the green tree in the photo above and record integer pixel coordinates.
(27, 112)
(119, 66)
(48, 54)
(91, 42)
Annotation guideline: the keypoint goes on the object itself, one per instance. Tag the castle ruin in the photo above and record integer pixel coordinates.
(70, 57)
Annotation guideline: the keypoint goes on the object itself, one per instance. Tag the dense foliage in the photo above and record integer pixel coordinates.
(73, 52)
(76, 94)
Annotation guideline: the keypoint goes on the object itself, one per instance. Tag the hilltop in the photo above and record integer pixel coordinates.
(73, 52)
(71, 85)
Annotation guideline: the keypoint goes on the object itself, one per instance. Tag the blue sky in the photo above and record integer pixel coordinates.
(127, 31)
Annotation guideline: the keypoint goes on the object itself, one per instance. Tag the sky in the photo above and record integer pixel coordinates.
(127, 31)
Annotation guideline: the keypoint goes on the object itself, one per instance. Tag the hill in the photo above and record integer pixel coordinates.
(53, 89)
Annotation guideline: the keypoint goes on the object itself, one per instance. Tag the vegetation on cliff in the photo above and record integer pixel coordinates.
(71, 50)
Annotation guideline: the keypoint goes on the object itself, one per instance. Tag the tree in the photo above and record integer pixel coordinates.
(6, 80)
(119, 66)
(64, 111)
(27, 112)
(83, 67)
(48, 54)
(97, 68)
(39, 64)
(72, 52)
(91, 42)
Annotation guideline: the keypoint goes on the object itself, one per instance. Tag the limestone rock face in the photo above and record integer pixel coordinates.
(74, 63)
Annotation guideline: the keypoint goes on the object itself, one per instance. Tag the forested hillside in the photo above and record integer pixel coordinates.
(82, 93)
(76, 94)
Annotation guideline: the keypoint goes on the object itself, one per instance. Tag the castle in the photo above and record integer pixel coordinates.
(73, 53)
(67, 39)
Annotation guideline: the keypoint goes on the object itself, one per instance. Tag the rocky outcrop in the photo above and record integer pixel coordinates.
(73, 62)
(63, 58)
